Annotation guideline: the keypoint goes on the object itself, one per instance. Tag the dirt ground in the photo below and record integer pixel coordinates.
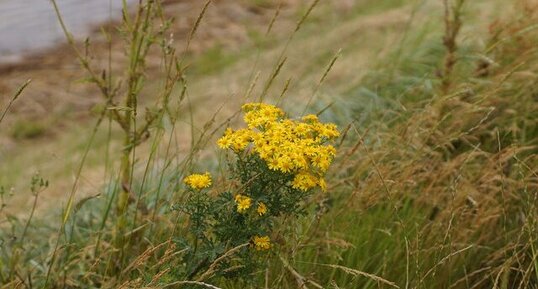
(57, 93)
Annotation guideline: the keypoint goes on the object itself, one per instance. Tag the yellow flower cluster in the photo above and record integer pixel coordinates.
(262, 243)
(243, 203)
(297, 147)
(198, 181)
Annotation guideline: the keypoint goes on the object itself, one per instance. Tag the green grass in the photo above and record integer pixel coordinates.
(213, 60)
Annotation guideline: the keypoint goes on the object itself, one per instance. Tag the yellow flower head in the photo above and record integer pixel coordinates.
(225, 141)
(243, 203)
(304, 181)
(262, 243)
(262, 209)
(311, 118)
(198, 181)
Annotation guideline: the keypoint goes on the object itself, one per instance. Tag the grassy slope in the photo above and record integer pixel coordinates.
(402, 205)
(393, 238)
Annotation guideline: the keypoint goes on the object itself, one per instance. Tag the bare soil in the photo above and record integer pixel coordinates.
(57, 91)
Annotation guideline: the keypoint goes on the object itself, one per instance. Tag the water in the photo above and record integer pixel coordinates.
(31, 25)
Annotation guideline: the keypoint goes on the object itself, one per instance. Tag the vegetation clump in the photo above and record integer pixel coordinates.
(276, 164)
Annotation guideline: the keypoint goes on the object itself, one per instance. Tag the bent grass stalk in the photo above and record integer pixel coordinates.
(68, 207)
(282, 57)
(14, 98)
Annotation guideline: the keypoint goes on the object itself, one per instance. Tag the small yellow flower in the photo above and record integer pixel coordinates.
(226, 140)
(273, 164)
(243, 203)
(198, 181)
(304, 181)
(312, 118)
(285, 164)
(262, 243)
(262, 209)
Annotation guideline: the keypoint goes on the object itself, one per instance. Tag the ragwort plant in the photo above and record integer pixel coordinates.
(275, 163)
